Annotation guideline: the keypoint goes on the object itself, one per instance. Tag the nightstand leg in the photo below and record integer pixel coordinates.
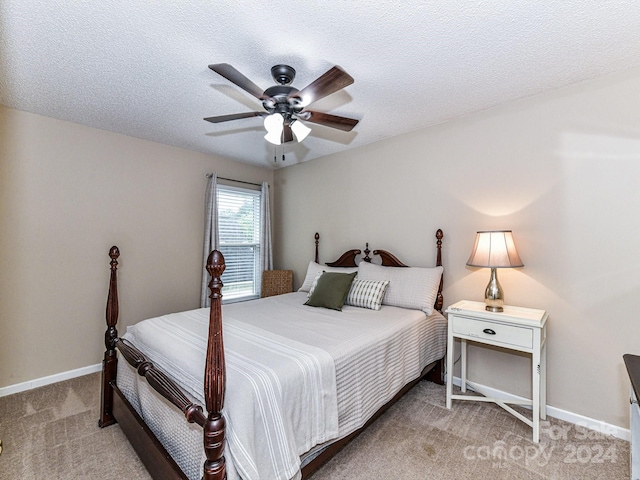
(463, 365)
(543, 382)
(449, 367)
(535, 377)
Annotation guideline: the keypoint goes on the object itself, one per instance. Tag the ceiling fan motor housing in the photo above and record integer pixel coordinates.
(283, 74)
(280, 99)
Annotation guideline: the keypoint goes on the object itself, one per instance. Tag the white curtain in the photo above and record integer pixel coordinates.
(210, 234)
(266, 256)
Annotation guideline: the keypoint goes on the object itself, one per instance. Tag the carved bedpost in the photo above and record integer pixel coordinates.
(110, 361)
(214, 377)
(317, 237)
(439, 298)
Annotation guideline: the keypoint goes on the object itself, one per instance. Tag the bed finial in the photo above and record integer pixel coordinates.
(215, 267)
(366, 257)
(114, 253)
(215, 376)
(317, 237)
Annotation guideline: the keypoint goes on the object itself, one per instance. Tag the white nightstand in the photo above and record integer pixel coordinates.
(516, 328)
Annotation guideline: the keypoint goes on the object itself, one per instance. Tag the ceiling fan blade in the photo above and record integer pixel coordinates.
(333, 80)
(235, 116)
(234, 76)
(333, 121)
(287, 133)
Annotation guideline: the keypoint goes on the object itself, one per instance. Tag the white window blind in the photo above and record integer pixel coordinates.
(239, 236)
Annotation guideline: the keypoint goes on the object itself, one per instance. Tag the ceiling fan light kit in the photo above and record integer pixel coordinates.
(275, 123)
(285, 105)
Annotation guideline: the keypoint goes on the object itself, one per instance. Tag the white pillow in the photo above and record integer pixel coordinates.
(314, 268)
(409, 287)
(315, 282)
(367, 293)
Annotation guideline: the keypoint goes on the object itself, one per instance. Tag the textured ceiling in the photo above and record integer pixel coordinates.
(140, 67)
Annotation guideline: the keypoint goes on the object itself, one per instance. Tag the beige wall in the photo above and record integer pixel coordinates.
(562, 170)
(67, 193)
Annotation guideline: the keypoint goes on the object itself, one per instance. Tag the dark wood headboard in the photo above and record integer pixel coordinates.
(348, 259)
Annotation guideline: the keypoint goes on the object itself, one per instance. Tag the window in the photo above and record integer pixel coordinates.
(239, 238)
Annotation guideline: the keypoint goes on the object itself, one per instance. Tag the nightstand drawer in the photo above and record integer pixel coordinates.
(509, 335)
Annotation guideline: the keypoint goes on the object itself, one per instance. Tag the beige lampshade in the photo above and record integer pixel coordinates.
(495, 249)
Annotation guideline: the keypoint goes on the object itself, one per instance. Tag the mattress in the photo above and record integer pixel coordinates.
(327, 372)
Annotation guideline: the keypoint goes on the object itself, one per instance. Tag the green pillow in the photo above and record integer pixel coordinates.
(331, 290)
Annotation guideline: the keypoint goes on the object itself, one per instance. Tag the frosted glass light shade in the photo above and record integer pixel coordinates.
(273, 137)
(300, 130)
(274, 124)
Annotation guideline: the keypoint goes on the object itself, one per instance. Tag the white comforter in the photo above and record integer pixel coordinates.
(297, 376)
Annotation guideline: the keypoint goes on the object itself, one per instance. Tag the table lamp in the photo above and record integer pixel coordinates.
(494, 249)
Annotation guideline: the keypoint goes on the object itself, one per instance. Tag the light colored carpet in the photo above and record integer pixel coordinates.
(52, 432)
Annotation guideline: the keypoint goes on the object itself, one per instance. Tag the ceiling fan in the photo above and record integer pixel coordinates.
(285, 106)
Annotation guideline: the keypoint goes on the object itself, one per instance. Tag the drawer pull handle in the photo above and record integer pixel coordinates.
(488, 331)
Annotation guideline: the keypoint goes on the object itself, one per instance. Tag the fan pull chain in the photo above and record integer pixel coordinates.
(275, 154)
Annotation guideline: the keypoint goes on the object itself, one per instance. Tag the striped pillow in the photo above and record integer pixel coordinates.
(367, 293)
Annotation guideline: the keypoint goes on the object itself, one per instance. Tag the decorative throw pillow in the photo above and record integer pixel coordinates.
(409, 287)
(367, 293)
(331, 290)
(315, 268)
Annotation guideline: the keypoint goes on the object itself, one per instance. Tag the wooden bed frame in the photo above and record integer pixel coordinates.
(114, 407)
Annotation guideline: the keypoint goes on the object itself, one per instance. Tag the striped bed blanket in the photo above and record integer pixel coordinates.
(297, 376)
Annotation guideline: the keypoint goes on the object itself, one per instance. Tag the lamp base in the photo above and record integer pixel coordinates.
(493, 309)
(493, 295)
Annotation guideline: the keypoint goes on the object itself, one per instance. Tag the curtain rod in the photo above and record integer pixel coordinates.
(209, 175)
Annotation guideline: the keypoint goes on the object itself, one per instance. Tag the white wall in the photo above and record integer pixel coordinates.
(561, 169)
(67, 193)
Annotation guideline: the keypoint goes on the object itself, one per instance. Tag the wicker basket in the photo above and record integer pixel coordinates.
(276, 282)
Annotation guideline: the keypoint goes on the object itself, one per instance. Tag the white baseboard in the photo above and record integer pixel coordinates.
(574, 418)
(41, 382)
